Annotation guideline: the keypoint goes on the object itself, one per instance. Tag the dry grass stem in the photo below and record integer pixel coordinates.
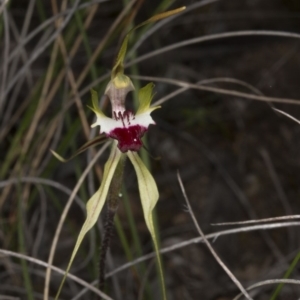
(63, 217)
(281, 218)
(217, 90)
(57, 270)
(197, 240)
(287, 115)
(212, 251)
(268, 282)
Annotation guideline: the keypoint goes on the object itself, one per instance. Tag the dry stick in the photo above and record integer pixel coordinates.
(49, 182)
(188, 85)
(63, 217)
(70, 74)
(192, 241)
(22, 53)
(287, 115)
(43, 25)
(38, 153)
(73, 51)
(16, 92)
(224, 35)
(42, 106)
(60, 271)
(52, 91)
(216, 90)
(213, 236)
(47, 95)
(31, 131)
(215, 255)
(61, 74)
(270, 281)
(40, 50)
(208, 81)
(281, 218)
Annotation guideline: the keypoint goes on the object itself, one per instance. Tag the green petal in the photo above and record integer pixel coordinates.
(145, 98)
(149, 196)
(95, 204)
(100, 139)
(95, 107)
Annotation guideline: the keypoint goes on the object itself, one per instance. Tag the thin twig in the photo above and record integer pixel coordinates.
(208, 81)
(60, 271)
(189, 242)
(212, 251)
(216, 90)
(70, 74)
(39, 51)
(270, 281)
(217, 36)
(281, 218)
(287, 115)
(46, 23)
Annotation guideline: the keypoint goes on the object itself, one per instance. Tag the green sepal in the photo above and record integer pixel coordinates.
(145, 97)
(95, 107)
(95, 205)
(99, 139)
(149, 196)
(118, 66)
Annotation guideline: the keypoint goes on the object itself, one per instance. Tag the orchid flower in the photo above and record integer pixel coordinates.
(126, 130)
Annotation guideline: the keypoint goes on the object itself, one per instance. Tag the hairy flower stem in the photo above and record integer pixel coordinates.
(112, 205)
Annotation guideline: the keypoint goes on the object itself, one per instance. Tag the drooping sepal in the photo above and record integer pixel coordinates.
(149, 196)
(95, 205)
(100, 139)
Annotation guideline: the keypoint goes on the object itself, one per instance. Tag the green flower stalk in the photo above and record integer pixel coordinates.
(126, 130)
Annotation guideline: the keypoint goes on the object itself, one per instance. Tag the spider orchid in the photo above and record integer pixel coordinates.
(124, 126)
(126, 130)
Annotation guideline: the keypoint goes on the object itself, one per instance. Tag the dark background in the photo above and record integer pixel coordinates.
(238, 158)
